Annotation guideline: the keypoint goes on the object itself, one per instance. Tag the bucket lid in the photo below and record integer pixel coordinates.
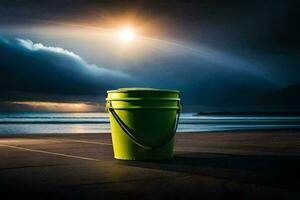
(142, 94)
(126, 90)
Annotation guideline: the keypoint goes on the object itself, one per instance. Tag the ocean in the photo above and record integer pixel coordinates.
(58, 123)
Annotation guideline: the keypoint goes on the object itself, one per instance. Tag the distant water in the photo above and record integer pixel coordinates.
(18, 123)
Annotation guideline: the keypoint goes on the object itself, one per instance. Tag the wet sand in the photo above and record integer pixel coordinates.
(231, 165)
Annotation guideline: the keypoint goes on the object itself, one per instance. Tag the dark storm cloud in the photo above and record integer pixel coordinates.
(34, 69)
(35, 72)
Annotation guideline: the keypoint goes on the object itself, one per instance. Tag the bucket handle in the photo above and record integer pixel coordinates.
(133, 138)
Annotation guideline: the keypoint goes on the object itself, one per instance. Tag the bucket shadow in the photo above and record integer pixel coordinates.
(269, 170)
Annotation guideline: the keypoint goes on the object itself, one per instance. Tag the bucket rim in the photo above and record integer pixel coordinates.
(141, 99)
(128, 90)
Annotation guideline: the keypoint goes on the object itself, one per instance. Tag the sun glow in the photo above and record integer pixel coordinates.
(127, 35)
(57, 106)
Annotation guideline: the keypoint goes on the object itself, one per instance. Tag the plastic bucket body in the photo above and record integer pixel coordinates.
(143, 122)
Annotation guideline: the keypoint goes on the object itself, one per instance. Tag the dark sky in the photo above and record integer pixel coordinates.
(222, 56)
(270, 25)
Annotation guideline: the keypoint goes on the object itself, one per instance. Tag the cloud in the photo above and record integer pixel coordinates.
(38, 46)
(29, 69)
(34, 72)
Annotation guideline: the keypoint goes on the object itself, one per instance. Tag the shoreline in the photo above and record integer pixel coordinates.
(263, 131)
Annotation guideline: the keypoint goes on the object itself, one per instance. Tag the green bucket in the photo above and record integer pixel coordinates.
(143, 122)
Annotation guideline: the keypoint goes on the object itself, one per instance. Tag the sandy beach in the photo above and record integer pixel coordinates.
(228, 165)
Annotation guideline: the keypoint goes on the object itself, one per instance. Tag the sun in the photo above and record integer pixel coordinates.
(127, 35)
